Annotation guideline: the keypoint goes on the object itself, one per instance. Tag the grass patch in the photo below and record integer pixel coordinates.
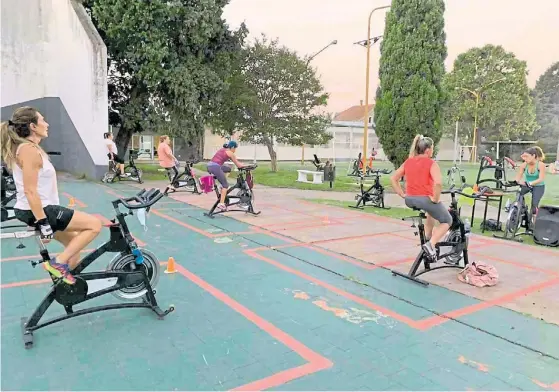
(399, 213)
(151, 172)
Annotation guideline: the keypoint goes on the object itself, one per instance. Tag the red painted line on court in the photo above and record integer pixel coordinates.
(316, 362)
(78, 202)
(296, 212)
(406, 320)
(25, 283)
(271, 225)
(180, 223)
(311, 226)
(36, 256)
(517, 264)
(282, 237)
(353, 237)
(358, 263)
(438, 320)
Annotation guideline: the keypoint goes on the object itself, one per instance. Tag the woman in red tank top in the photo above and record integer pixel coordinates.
(423, 190)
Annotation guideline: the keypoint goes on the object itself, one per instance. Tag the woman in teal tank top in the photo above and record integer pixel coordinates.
(532, 172)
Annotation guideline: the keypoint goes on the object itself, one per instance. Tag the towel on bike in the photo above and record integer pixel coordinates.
(479, 274)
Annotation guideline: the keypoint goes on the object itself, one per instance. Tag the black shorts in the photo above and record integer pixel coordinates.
(58, 217)
(116, 158)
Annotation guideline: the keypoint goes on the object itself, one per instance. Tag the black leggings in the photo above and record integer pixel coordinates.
(537, 195)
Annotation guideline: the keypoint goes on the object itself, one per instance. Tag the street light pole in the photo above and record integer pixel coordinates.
(367, 71)
(334, 42)
(476, 94)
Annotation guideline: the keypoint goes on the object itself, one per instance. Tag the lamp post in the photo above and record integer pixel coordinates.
(476, 94)
(367, 71)
(334, 42)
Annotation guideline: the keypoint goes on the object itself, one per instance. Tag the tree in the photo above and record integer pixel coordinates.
(167, 60)
(410, 94)
(546, 97)
(505, 110)
(273, 97)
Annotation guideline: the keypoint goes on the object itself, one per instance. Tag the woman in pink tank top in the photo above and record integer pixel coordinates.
(218, 168)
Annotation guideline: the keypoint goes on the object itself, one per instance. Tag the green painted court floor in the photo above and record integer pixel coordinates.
(256, 312)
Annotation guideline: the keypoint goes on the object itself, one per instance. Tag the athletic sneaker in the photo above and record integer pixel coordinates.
(431, 253)
(222, 207)
(59, 271)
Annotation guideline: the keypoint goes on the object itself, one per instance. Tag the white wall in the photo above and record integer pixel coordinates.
(49, 49)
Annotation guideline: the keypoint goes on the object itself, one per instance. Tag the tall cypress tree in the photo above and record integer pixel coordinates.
(410, 97)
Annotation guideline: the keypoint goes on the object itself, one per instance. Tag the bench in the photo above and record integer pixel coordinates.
(318, 176)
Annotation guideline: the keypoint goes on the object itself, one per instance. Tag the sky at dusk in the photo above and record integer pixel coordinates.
(530, 29)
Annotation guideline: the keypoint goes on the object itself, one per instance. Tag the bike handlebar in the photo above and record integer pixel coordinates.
(249, 167)
(453, 191)
(144, 199)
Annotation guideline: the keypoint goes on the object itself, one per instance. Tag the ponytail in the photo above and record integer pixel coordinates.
(539, 153)
(413, 149)
(10, 141)
(15, 132)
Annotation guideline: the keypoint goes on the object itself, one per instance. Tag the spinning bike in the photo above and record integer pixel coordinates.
(244, 198)
(454, 172)
(131, 274)
(374, 195)
(187, 179)
(456, 239)
(131, 172)
(519, 215)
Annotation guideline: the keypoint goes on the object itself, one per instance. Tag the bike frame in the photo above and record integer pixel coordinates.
(120, 241)
(457, 247)
(366, 195)
(242, 184)
(187, 173)
(524, 213)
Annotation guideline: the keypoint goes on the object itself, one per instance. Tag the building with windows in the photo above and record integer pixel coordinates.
(346, 143)
(346, 129)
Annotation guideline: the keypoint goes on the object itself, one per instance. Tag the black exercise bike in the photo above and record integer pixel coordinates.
(244, 197)
(374, 195)
(131, 171)
(520, 215)
(131, 274)
(455, 177)
(456, 241)
(187, 179)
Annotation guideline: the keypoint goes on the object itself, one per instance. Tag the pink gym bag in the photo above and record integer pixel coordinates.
(207, 183)
(479, 274)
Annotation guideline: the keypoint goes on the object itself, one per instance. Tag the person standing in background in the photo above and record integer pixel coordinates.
(167, 160)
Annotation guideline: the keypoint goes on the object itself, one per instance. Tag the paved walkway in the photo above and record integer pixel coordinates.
(298, 298)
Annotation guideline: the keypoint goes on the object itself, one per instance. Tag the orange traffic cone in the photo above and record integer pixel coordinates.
(171, 268)
(72, 202)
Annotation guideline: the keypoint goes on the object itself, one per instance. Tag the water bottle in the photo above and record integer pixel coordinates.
(138, 255)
